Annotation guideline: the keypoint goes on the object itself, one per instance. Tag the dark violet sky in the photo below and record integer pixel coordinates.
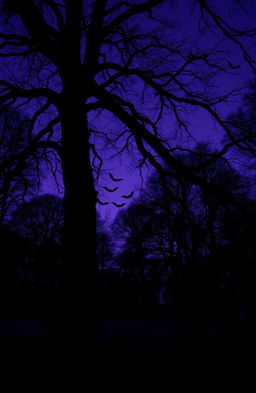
(202, 127)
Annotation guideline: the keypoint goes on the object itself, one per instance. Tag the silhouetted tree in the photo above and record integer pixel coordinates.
(104, 244)
(243, 127)
(78, 57)
(40, 219)
(200, 234)
(40, 223)
(13, 251)
(132, 226)
(18, 169)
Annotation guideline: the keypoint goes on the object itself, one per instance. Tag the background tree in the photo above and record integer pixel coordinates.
(133, 228)
(133, 231)
(39, 222)
(13, 251)
(104, 244)
(242, 125)
(40, 219)
(192, 237)
(18, 168)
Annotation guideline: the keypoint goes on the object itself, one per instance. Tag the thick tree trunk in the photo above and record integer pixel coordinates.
(78, 278)
(79, 259)
(78, 269)
(76, 316)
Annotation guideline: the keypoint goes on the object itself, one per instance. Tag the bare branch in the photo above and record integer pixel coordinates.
(12, 91)
(230, 32)
(136, 9)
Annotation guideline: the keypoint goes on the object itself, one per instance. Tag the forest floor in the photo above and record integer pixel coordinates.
(125, 340)
(151, 331)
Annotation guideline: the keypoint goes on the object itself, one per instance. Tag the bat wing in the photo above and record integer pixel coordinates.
(102, 203)
(114, 178)
(128, 196)
(119, 205)
(234, 67)
(110, 189)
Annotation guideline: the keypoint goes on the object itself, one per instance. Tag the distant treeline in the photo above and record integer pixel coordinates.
(187, 239)
(177, 243)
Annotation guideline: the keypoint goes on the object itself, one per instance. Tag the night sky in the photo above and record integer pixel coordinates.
(201, 126)
(185, 15)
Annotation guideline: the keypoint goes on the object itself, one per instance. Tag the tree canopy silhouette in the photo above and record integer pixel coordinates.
(197, 244)
(64, 60)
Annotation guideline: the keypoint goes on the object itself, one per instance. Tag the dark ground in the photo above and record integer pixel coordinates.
(151, 332)
(49, 341)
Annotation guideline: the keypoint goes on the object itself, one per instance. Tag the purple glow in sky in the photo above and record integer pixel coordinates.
(185, 15)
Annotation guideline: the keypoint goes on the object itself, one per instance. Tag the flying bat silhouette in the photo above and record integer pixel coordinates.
(119, 205)
(110, 189)
(234, 67)
(128, 196)
(114, 178)
(102, 203)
